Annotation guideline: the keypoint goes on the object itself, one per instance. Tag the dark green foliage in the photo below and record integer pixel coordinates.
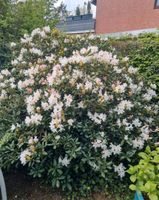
(89, 7)
(143, 53)
(78, 12)
(5, 34)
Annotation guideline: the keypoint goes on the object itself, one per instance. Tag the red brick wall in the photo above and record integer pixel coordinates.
(125, 15)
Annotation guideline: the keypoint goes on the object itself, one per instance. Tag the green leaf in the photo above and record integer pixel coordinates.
(133, 178)
(153, 197)
(132, 187)
(156, 159)
(148, 150)
(150, 186)
(132, 169)
(143, 155)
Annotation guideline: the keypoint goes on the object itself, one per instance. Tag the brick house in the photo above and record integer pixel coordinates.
(115, 16)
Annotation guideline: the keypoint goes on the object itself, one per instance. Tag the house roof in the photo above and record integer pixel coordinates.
(94, 2)
(77, 24)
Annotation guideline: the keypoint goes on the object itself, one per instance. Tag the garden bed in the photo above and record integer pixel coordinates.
(21, 187)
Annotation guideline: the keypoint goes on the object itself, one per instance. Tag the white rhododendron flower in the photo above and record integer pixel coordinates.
(33, 119)
(65, 161)
(25, 156)
(138, 143)
(33, 140)
(97, 118)
(47, 29)
(14, 126)
(68, 100)
(132, 70)
(115, 149)
(106, 153)
(120, 88)
(123, 106)
(70, 122)
(57, 137)
(120, 169)
(12, 44)
(36, 51)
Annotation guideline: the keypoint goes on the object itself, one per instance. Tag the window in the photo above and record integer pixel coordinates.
(156, 3)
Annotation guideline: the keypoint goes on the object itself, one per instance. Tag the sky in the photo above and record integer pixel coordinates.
(72, 4)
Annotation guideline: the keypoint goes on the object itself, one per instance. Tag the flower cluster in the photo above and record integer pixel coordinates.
(26, 155)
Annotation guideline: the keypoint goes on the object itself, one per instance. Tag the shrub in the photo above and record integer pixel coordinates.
(145, 175)
(146, 57)
(142, 52)
(74, 115)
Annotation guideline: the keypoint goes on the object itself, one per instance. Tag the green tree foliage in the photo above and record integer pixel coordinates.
(30, 15)
(5, 34)
(78, 12)
(89, 7)
(62, 10)
(19, 18)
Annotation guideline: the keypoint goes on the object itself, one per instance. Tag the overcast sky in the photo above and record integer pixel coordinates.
(72, 4)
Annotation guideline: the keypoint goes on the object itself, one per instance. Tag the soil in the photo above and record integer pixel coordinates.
(21, 187)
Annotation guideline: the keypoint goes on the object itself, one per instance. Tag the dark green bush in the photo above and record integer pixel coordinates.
(143, 53)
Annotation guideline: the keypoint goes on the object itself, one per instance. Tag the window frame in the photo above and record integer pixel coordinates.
(156, 6)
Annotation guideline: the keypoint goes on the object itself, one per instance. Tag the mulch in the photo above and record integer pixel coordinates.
(21, 187)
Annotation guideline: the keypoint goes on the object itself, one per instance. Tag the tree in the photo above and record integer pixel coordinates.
(62, 11)
(78, 12)
(89, 7)
(20, 17)
(33, 14)
(5, 32)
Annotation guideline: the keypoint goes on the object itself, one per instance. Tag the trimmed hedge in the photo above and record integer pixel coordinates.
(143, 53)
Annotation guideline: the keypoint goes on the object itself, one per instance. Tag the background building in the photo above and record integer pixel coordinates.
(126, 15)
(77, 24)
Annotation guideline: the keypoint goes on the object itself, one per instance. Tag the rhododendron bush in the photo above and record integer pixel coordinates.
(72, 113)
